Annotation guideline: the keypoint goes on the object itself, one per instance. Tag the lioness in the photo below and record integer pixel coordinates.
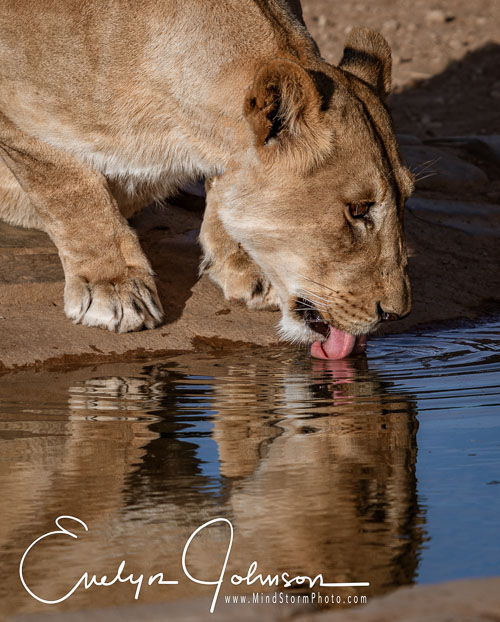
(107, 106)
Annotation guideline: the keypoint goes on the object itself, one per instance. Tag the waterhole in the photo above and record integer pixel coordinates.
(384, 469)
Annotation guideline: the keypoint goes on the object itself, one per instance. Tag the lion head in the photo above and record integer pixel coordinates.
(317, 199)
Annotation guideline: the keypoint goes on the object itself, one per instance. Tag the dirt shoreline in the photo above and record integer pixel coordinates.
(68, 362)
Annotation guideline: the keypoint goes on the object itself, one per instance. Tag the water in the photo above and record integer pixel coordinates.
(383, 470)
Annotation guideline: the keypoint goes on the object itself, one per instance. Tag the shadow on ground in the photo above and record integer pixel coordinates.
(463, 99)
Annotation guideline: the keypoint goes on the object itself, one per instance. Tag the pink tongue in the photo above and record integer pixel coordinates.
(338, 345)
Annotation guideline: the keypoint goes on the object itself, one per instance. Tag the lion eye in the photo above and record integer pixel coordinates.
(361, 209)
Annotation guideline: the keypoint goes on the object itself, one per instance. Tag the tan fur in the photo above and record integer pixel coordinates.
(103, 110)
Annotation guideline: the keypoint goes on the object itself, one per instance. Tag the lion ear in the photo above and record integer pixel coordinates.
(282, 104)
(367, 56)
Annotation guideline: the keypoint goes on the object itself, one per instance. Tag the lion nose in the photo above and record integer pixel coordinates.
(388, 316)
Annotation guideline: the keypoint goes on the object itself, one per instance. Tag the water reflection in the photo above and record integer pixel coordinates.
(312, 461)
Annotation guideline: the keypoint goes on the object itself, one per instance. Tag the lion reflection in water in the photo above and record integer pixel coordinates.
(315, 470)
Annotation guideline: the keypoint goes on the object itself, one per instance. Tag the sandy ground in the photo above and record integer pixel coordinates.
(446, 84)
(446, 58)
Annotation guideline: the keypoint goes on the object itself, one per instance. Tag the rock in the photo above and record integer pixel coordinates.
(408, 139)
(438, 170)
(436, 16)
(479, 219)
(484, 147)
(391, 25)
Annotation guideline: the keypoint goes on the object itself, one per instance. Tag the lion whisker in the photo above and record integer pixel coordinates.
(321, 309)
(318, 284)
(324, 299)
(427, 162)
(319, 302)
(305, 308)
(432, 174)
(422, 168)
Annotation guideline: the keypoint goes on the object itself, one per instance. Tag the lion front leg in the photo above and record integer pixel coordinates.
(230, 266)
(109, 282)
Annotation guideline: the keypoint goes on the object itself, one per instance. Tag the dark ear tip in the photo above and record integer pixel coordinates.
(368, 40)
(367, 55)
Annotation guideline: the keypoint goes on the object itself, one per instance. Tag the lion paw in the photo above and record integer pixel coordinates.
(241, 279)
(125, 305)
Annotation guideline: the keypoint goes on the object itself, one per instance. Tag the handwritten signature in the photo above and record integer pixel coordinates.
(250, 578)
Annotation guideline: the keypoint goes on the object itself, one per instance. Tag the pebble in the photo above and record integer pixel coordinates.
(438, 16)
(435, 15)
(391, 24)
